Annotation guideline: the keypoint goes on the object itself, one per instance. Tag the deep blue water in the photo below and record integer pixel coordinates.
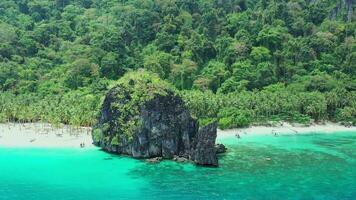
(313, 166)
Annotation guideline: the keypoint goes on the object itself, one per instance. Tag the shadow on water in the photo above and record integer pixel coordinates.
(345, 146)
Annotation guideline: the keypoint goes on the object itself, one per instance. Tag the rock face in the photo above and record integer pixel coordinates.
(203, 150)
(145, 119)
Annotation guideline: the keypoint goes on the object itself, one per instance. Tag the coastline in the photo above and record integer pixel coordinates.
(42, 135)
(285, 128)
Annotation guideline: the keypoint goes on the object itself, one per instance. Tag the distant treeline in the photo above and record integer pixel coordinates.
(237, 109)
(74, 109)
(272, 105)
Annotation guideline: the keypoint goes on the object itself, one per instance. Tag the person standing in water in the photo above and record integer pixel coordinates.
(274, 132)
(237, 135)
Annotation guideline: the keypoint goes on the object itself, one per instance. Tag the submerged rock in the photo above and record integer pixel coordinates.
(154, 160)
(145, 118)
(180, 159)
(220, 148)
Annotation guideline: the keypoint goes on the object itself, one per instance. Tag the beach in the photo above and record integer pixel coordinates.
(315, 166)
(44, 135)
(48, 136)
(285, 128)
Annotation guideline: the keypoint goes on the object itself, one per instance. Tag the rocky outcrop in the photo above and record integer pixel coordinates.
(203, 149)
(152, 123)
(220, 148)
(154, 160)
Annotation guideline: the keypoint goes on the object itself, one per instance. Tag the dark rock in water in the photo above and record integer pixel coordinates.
(143, 117)
(180, 159)
(220, 148)
(154, 160)
(203, 148)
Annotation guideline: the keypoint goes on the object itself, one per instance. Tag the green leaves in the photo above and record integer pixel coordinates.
(67, 49)
(212, 76)
(81, 73)
(158, 62)
(275, 102)
(183, 74)
(272, 37)
(231, 117)
(260, 54)
(110, 67)
(136, 89)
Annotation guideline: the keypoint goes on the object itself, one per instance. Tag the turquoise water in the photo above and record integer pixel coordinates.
(313, 166)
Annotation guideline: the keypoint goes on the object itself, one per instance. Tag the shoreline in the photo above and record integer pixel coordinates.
(285, 128)
(43, 135)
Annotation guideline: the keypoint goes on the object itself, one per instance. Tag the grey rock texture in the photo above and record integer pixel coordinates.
(203, 150)
(220, 148)
(166, 130)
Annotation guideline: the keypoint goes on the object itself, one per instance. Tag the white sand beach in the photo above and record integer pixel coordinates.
(44, 135)
(48, 136)
(286, 128)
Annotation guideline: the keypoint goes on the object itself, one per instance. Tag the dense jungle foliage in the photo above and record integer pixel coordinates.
(241, 61)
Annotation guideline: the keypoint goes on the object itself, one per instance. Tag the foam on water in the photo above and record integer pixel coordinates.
(312, 166)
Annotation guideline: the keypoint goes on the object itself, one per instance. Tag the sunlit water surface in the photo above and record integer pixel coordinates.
(312, 166)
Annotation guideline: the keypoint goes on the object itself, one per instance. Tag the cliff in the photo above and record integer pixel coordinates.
(144, 117)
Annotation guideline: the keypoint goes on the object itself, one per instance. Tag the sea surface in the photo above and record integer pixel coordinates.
(311, 166)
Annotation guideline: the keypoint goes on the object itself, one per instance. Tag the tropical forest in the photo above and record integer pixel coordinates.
(239, 62)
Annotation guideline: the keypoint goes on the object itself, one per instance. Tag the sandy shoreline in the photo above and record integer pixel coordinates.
(43, 135)
(286, 129)
(47, 136)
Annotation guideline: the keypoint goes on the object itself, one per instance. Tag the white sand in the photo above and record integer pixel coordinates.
(286, 128)
(43, 135)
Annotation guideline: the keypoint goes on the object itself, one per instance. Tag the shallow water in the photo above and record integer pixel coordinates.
(313, 166)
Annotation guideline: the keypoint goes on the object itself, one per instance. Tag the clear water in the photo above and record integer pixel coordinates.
(314, 166)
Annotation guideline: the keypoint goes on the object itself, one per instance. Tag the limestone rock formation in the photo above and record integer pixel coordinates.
(144, 117)
(203, 151)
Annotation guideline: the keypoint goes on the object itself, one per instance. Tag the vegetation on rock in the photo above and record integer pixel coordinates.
(125, 102)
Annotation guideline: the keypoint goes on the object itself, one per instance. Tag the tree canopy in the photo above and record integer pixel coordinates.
(55, 55)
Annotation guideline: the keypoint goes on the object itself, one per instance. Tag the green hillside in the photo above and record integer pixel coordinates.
(241, 61)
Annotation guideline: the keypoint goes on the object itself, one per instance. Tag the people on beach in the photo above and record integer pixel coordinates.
(274, 132)
(82, 145)
(238, 135)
